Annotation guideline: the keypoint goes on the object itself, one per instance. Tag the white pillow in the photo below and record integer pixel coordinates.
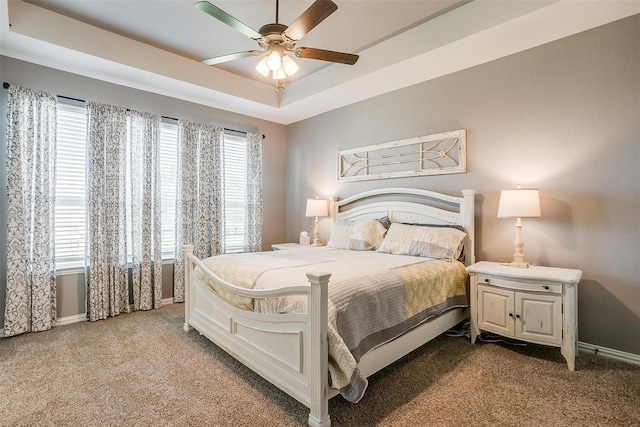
(443, 243)
(357, 235)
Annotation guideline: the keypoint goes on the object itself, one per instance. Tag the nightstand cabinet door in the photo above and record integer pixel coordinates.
(495, 310)
(539, 318)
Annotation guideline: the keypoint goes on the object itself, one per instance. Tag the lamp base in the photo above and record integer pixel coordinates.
(518, 257)
(316, 235)
(519, 264)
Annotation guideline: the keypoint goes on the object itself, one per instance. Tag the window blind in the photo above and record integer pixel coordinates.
(169, 185)
(235, 190)
(70, 212)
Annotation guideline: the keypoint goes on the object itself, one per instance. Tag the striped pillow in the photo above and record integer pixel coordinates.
(357, 235)
(442, 243)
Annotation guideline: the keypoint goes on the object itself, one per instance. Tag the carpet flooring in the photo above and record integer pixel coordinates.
(142, 369)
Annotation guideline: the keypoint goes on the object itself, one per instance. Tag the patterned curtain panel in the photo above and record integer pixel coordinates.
(254, 214)
(200, 201)
(146, 236)
(106, 264)
(31, 165)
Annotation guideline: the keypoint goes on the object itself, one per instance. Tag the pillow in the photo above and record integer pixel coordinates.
(444, 243)
(363, 235)
(457, 227)
(385, 221)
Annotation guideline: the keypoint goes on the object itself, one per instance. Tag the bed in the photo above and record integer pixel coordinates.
(295, 348)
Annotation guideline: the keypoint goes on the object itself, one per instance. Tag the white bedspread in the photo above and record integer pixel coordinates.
(385, 294)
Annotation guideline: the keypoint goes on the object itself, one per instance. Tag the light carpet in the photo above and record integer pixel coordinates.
(142, 369)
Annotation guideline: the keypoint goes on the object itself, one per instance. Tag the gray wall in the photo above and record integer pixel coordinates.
(70, 287)
(563, 117)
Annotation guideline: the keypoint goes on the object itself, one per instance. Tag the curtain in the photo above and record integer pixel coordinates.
(31, 165)
(200, 201)
(254, 211)
(146, 232)
(106, 251)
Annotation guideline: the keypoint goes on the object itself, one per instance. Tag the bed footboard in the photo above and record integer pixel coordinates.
(288, 350)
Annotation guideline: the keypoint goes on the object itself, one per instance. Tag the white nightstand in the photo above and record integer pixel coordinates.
(535, 304)
(289, 246)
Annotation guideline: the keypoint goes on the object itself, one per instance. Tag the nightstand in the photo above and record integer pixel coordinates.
(535, 304)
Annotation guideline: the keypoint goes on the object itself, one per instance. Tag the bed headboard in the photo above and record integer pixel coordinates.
(412, 205)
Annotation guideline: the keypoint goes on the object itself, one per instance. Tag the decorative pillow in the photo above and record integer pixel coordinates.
(443, 243)
(364, 235)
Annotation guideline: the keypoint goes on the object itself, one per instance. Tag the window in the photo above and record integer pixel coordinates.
(169, 185)
(70, 213)
(235, 192)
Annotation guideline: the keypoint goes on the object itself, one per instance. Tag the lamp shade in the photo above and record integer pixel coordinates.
(519, 203)
(317, 207)
(289, 65)
(262, 67)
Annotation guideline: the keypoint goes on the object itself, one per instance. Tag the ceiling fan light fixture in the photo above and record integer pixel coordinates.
(289, 65)
(262, 67)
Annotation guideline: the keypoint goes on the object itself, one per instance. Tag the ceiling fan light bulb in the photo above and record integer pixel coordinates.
(289, 65)
(262, 67)
(274, 62)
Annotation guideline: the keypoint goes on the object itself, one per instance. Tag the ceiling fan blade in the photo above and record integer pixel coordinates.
(223, 16)
(315, 14)
(230, 57)
(326, 55)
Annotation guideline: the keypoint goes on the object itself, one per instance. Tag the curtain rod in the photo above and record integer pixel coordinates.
(6, 86)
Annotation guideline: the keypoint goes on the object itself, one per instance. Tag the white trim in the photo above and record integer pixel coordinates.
(610, 353)
(81, 317)
(75, 318)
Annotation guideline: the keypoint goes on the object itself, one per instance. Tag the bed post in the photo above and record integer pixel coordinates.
(319, 356)
(468, 218)
(188, 292)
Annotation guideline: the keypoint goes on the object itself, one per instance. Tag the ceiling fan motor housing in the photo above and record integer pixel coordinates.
(274, 34)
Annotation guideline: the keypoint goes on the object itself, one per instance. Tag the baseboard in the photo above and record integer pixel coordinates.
(67, 320)
(609, 353)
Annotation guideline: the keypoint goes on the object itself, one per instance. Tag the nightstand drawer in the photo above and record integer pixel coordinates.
(521, 286)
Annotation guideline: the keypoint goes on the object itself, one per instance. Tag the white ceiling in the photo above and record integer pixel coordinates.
(156, 45)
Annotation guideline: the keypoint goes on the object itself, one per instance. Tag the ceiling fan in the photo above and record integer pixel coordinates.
(276, 39)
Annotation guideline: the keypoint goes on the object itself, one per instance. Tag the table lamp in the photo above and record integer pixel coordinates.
(519, 203)
(317, 207)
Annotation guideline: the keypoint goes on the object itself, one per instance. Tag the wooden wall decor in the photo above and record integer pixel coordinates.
(438, 154)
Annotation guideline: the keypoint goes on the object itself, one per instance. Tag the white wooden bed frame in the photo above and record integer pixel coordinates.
(290, 350)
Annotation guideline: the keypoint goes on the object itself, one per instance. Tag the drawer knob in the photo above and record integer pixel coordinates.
(517, 316)
(486, 280)
(546, 288)
(510, 314)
